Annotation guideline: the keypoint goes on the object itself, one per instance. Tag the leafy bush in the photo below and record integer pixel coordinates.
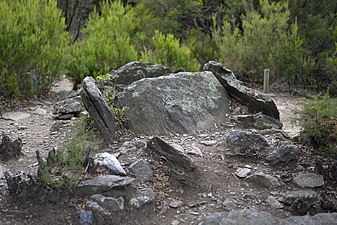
(264, 40)
(107, 42)
(33, 46)
(168, 51)
(319, 120)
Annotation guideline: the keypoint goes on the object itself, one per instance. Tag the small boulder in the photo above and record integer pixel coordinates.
(102, 183)
(110, 162)
(245, 142)
(263, 180)
(68, 106)
(142, 170)
(285, 155)
(111, 204)
(10, 149)
(242, 172)
(309, 180)
(142, 197)
(259, 121)
(300, 202)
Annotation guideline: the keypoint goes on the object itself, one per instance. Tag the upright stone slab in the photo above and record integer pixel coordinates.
(98, 108)
(255, 101)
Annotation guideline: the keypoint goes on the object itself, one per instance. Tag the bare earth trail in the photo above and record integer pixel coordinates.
(219, 190)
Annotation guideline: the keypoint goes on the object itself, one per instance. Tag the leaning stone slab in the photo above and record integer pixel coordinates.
(255, 101)
(309, 180)
(98, 108)
(110, 162)
(102, 183)
(182, 168)
(178, 103)
(250, 217)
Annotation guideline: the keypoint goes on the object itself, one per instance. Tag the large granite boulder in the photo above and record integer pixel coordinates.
(134, 71)
(255, 101)
(178, 103)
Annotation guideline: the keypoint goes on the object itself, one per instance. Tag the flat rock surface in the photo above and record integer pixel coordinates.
(309, 180)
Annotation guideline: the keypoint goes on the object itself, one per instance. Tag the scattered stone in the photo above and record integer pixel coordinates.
(310, 180)
(56, 127)
(285, 155)
(100, 214)
(174, 104)
(25, 186)
(142, 170)
(181, 167)
(40, 111)
(98, 108)
(263, 180)
(109, 203)
(242, 172)
(126, 147)
(110, 162)
(250, 217)
(134, 71)
(176, 203)
(208, 143)
(15, 116)
(255, 101)
(259, 121)
(300, 202)
(10, 149)
(194, 150)
(68, 106)
(102, 183)
(86, 217)
(245, 142)
(273, 202)
(22, 127)
(142, 197)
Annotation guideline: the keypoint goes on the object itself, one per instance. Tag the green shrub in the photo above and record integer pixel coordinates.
(67, 166)
(168, 51)
(107, 42)
(319, 120)
(33, 46)
(265, 40)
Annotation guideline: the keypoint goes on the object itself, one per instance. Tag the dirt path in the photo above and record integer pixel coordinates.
(219, 190)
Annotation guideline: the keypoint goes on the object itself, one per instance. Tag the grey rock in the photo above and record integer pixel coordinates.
(263, 180)
(310, 180)
(177, 103)
(273, 202)
(68, 106)
(142, 170)
(10, 149)
(194, 150)
(86, 217)
(176, 203)
(134, 71)
(285, 155)
(255, 101)
(110, 204)
(245, 142)
(250, 217)
(16, 116)
(110, 162)
(182, 168)
(100, 214)
(259, 121)
(98, 108)
(102, 183)
(242, 172)
(142, 197)
(208, 143)
(301, 202)
(56, 126)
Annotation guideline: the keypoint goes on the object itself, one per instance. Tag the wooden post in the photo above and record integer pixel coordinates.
(266, 81)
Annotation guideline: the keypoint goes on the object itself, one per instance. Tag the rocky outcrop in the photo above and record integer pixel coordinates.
(134, 71)
(255, 101)
(250, 217)
(98, 108)
(177, 103)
